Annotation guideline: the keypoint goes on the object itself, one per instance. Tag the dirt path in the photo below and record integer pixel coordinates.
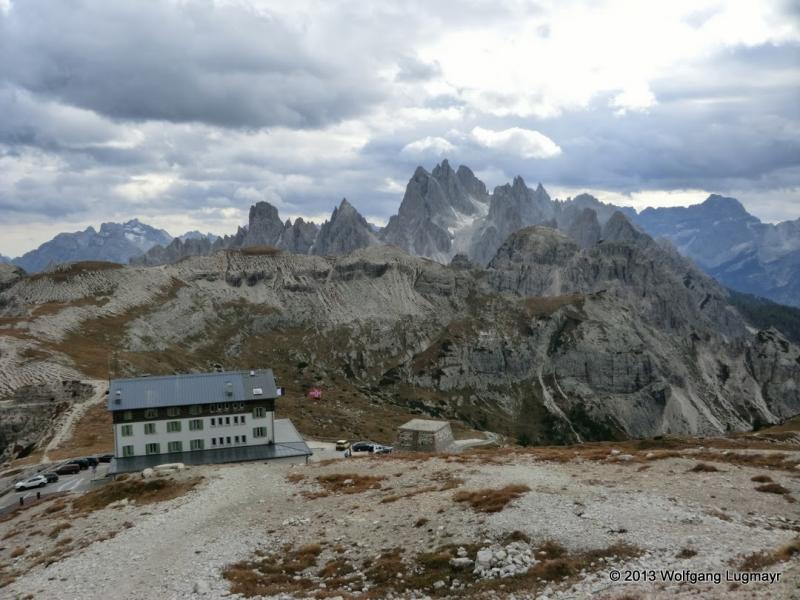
(74, 415)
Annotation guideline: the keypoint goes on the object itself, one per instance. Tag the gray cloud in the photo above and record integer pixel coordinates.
(181, 62)
(189, 109)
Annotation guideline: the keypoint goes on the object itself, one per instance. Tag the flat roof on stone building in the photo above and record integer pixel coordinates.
(425, 425)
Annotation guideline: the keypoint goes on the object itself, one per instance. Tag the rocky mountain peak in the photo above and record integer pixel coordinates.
(347, 230)
(619, 229)
(585, 228)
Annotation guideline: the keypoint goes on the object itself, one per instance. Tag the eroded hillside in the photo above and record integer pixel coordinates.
(550, 343)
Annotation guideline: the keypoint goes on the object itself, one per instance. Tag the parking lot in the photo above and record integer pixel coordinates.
(80, 481)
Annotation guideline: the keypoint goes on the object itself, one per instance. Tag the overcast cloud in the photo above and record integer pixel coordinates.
(183, 113)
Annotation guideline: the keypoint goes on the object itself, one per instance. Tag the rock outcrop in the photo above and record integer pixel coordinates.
(345, 232)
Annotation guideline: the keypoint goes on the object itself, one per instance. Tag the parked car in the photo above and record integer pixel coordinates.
(342, 444)
(33, 482)
(92, 460)
(106, 458)
(362, 447)
(81, 462)
(68, 469)
(51, 477)
(378, 449)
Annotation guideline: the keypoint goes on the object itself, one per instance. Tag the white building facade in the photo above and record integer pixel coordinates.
(189, 413)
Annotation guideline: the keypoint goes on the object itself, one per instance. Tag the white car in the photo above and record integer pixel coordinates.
(33, 482)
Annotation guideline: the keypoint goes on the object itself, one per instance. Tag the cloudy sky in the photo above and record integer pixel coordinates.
(183, 113)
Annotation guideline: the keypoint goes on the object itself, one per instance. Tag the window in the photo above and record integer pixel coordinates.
(195, 409)
(151, 413)
(173, 426)
(213, 422)
(175, 447)
(235, 420)
(196, 425)
(149, 428)
(236, 439)
(126, 430)
(127, 451)
(173, 411)
(259, 432)
(228, 440)
(213, 441)
(241, 419)
(244, 439)
(259, 412)
(227, 420)
(196, 445)
(152, 448)
(127, 415)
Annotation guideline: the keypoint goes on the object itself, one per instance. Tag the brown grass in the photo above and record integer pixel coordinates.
(142, 492)
(295, 477)
(761, 479)
(18, 551)
(349, 483)
(274, 573)
(66, 271)
(490, 500)
(703, 468)
(772, 488)
(758, 561)
(56, 531)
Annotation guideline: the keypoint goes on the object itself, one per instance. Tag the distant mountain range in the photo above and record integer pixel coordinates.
(448, 214)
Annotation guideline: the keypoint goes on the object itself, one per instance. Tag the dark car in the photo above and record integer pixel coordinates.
(105, 458)
(68, 469)
(92, 460)
(362, 447)
(81, 462)
(51, 477)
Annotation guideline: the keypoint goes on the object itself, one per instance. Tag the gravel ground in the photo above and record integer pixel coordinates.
(177, 549)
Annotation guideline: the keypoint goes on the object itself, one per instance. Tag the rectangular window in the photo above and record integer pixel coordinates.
(236, 439)
(196, 425)
(259, 412)
(173, 426)
(235, 420)
(126, 430)
(196, 445)
(173, 411)
(195, 409)
(149, 428)
(127, 451)
(244, 439)
(228, 439)
(213, 441)
(152, 448)
(127, 415)
(241, 419)
(174, 446)
(259, 432)
(213, 422)
(151, 413)
(227, 420)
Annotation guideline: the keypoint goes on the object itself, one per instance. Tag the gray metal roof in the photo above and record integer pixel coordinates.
(191, 388)
(424, 425)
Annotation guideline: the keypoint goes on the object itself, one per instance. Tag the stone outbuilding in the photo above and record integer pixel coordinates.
(424, 435)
